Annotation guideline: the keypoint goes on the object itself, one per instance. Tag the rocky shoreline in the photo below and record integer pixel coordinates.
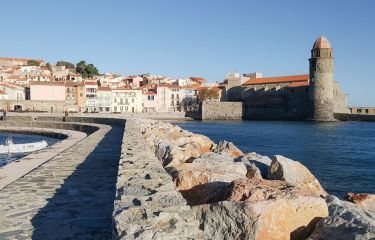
(235, 195)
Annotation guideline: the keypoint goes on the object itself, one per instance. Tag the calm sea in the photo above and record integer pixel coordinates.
(341, 155)
(21, 138)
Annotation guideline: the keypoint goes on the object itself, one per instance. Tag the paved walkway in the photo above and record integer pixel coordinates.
(69, 197)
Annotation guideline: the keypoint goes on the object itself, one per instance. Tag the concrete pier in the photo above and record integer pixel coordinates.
(70, 196)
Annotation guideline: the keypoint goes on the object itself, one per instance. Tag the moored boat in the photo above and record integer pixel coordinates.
(10, 147)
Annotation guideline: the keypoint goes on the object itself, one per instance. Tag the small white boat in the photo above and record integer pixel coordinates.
(10, 147)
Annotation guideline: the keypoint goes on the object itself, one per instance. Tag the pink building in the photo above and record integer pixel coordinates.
(53, 91)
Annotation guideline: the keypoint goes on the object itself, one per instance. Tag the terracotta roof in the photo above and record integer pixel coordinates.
(11, 85)
(104, 89)
(150, 93)
(169, 86)
(147, 86)
(299, 84)
(321, 42)
(282, 79)
(20, 59)
(2, 92)
(91, 83)
(122, 88)
(47, 83)
(198, 79)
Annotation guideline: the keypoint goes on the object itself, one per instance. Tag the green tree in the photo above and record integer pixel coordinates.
(66, 64)
(208, 94)
(49, 67)
(87, 70)
(33, 63)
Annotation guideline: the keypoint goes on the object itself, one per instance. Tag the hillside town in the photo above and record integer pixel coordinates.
(37, 81)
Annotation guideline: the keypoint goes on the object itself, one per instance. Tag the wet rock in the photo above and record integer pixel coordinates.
(260, 162)
(262, 210)
(294, 173)
(346, 221)
(229, 147)
(364, 200)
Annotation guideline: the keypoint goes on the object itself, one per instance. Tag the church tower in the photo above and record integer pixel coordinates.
(321, 81)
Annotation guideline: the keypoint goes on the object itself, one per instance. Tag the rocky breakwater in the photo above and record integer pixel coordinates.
(226, 189)
(248, 196)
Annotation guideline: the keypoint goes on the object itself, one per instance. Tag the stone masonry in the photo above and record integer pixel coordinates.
(70, 196)
(147, 204)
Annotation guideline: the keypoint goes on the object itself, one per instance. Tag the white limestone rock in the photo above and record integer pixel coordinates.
(346, 221)
(295, 174)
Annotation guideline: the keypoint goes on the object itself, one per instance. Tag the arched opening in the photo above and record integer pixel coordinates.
(17, 108)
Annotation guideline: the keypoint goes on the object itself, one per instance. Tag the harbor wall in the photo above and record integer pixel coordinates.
(147, 204)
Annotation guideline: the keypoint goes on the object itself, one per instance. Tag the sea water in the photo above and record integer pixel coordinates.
(18, 139)
(340, 154)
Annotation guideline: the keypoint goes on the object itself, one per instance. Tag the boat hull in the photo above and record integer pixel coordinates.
(23, 148)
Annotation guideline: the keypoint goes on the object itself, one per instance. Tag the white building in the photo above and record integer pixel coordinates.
(104, 99)
(125, 99)
(91, 98)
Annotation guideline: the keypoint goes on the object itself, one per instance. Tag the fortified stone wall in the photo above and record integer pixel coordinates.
(283, 104)
(221, 110)
(33, 105)
(147, 204)
(354, 117)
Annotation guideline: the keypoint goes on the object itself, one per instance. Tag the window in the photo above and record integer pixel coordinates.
(132, 100)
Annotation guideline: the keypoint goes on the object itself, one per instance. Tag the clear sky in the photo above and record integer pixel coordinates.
(197, 37)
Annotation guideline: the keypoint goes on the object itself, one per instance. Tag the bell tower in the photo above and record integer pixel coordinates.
(321, 81)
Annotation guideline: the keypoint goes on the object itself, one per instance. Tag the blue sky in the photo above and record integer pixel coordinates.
(197, 37)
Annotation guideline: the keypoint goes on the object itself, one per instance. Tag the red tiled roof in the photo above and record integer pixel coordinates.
(122, 88)
(150, 93)
(91, 83)
(198, 79)
(20, 59)
(282, 79)
(104, 89)
(169, 86)
(299, 84)
(47, 83)
(2, 92)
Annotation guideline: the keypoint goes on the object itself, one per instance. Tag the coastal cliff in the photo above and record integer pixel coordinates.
(230, 194)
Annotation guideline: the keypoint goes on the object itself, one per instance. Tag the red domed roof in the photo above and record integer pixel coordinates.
(322, 42)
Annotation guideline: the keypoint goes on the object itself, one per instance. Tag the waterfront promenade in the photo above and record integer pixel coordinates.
(69, 197)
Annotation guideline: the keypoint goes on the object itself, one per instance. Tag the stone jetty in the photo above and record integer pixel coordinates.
(154, 180)
(234, 195)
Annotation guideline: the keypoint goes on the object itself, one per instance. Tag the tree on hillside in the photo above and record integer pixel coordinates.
(87, 70)
(66, 64)
(48, 66)
(208, 94)
(33, 63)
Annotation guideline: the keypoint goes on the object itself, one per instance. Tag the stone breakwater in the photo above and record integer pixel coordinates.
(231, 194)
(147, 204)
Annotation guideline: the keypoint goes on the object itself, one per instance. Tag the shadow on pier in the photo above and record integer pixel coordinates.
(82, 207)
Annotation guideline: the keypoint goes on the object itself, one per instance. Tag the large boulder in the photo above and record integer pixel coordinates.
(364, 200)
(203, 180)
(261, 210)
(295, 174)
(256, 164)
(171, 155)
(229, 147)
(201, 142)
(346, 221)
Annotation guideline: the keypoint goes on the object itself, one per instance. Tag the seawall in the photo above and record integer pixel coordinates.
(147, 204)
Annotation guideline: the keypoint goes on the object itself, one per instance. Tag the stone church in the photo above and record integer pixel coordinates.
(315, 96)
